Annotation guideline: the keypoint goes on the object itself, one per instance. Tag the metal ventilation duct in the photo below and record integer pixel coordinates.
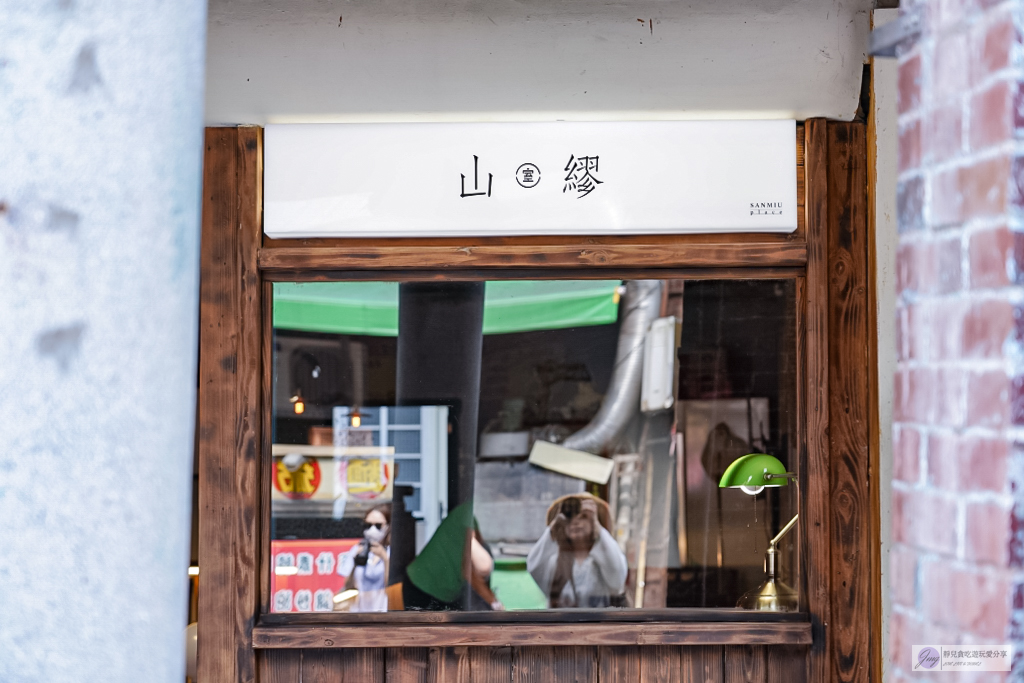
(642, 305)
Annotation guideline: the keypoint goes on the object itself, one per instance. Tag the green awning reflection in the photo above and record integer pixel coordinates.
(371, 308)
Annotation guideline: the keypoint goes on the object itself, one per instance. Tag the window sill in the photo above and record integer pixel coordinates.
(452, 634)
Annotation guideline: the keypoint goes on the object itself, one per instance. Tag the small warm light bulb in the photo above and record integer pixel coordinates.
(193, 571)
(751, 490)
(300, 407)
(357, 419)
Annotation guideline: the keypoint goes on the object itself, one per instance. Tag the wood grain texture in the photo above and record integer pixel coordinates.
(490, 664)
(542, 664)
(874, 426)
(477, 274)
(448, 665)
(280, 666)
(815, 553)
(481, 635)
(744, 664)
(321, 666)
(786, 664)
(849, 403)
(703, 664)
(699, 615)
(362, 666)
(618, 664)
(266, 465)
(661, 664)
(470, 254)
(229, 403)
(406, 665)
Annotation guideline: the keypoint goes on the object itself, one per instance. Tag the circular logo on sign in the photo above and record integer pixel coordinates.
(300, 483)
(528, 175)
(927, 658)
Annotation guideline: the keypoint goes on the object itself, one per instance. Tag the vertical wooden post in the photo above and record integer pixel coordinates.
(229, 403)
(814, 487)
(852, 581)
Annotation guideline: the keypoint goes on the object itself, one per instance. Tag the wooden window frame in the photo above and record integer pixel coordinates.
(823, 256)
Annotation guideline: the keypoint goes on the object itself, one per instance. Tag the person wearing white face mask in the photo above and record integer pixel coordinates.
(366, 564)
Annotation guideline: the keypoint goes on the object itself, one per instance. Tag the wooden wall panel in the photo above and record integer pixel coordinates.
(406, 665)
(618, 663)
(851, 580)
(229, 404)
(490, 664)
(282, 666)
(541, 664)
(785, 664)
(661, 664)
(635, 664)
(744, 664)
(320, 666)
(703, 664)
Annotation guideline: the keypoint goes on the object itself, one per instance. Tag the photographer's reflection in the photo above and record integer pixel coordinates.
(366, 564)
(576, 562)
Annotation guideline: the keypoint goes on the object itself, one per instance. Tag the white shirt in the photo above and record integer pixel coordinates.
(369, 580)
(595, 579)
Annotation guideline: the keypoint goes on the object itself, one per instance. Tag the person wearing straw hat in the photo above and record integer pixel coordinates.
(576, 562)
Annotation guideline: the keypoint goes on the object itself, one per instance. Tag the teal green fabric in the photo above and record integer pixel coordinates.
(371, 308)
(515, 588)
(437, 570)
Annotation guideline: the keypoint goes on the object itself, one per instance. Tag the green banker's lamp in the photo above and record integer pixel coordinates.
(751, 474)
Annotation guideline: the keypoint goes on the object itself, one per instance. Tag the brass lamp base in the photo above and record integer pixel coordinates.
(771, 596)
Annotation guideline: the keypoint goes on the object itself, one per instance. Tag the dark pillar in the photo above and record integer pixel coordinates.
(440, 342)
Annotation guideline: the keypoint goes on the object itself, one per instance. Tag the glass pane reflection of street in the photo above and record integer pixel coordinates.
(530, 445)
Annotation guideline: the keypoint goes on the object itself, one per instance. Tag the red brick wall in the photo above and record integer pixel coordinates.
(958, 432)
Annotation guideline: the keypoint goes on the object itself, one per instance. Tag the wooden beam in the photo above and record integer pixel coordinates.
(815, 554)
(229, 403)
(469, 255)
(849, 403)
(502, 635)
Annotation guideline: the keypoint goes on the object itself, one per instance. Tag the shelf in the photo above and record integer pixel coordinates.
(525, 634)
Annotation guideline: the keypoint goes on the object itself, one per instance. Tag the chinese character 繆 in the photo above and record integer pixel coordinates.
(580, 175)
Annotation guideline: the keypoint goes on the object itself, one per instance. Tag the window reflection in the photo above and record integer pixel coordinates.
(516, 445)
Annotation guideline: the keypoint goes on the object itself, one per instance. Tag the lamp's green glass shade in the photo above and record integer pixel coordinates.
(750, 469)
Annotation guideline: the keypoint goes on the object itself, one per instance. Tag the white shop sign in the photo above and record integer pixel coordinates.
(437, 179)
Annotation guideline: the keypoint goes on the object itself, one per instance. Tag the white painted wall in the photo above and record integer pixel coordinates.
(886, 238)
(372, 60)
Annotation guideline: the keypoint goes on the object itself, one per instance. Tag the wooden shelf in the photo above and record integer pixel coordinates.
(548, 634)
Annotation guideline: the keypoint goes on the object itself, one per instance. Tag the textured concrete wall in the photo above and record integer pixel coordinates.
(100, 157)
(393, 60)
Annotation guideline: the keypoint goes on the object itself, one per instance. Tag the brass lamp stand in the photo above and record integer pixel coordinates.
(773, 595)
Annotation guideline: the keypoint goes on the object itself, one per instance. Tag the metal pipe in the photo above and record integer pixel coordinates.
(642, 304)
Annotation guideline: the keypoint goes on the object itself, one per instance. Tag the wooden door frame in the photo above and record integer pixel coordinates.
(238, 263)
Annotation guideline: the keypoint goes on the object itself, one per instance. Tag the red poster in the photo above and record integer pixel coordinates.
(305, 573)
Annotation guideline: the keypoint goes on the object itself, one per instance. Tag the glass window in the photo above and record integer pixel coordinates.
(519, 445)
